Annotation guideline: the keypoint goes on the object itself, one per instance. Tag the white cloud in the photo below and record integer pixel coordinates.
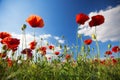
(56, 38)
(45, 36)
(110, 30)
(61, 41)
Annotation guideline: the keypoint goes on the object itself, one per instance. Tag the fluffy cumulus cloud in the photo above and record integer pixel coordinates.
(109, 30)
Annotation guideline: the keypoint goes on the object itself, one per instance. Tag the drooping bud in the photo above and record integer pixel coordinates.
(23, 27)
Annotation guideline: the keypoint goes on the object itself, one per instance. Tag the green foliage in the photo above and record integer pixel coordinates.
(56, 70)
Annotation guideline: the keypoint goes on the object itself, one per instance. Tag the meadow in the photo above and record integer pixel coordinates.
(32, 63)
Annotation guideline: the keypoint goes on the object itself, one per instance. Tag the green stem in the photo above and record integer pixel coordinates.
(81, 42)
(77, 42)
(25, 39)
(34, 40)
(34, 34)
(119, 51)
(24, 45)
(97, 45)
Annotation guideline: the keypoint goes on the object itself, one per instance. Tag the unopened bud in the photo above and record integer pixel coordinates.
(79, 35)
(60, 46)
(109, 46)
(93, 36)
(23, 27)
(83, 48)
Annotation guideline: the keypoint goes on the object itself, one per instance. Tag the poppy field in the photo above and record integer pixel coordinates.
(32, 63)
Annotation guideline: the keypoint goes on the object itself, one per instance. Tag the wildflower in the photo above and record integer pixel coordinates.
(4, 35)
(43, 53)
(49, 58)
(27, 51)
(114, 61)
(108, 52)
(102, 62)
(43, 50)
(116, 49)
(33, 45)
(9, 61)
(57, 53)
(2, 55)
(51, 47)
(29, 55)
(111, 57)
(35, 21)
(96, 60)
(81, 18)
(88, 41)
(11, 43)
(96, 20)
(67, 56)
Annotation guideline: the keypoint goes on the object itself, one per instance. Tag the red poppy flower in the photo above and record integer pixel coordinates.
(95, 60)
(33, 45)
(68, 56)
(35, 21)
(29, 55)
(43, 50)
(57, 53)
(11, 43)
(2, 55)
(96, 20)
(51, 47)
(81, 18)
(4, 35)
(43, 53)
(114, 61)
(28, 52)
(9, 61)
(116, 49)
(111, 57)
(108, 52)
(88, 41)
(102, 62)
(49, 58)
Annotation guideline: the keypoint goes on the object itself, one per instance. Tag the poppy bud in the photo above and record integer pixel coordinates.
(83, 48)
(23, 27)
(109, 46)
(4, 47)
(60, 46)
(79, 35)
(93, 36)
(88, 49)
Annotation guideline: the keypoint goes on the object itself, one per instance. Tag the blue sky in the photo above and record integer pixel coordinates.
(58, 15)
